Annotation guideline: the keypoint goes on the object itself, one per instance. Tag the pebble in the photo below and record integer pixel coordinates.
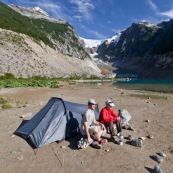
(20, 157)
(13, 136)
(107, 150)
(162, 154)
(147, 120)
(143, 138)
(26, 115)
(63, 146)
(150, 137)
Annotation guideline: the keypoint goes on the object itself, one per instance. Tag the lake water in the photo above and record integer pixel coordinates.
(149, 84)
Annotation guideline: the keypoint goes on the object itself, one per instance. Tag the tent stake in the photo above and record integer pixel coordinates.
(35, 151)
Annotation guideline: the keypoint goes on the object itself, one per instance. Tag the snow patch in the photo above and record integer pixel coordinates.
(89, 43)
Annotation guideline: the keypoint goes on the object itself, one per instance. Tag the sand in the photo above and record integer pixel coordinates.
(16, 156)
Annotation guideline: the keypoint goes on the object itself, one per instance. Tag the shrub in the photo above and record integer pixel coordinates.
(3, 101)
(6, 106)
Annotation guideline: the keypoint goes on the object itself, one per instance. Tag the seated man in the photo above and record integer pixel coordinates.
(108, 117)
(90, 127)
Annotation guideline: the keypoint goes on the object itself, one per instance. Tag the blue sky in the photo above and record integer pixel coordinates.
(101, 19)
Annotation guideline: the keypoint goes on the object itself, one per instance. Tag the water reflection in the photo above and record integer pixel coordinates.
(158, 85)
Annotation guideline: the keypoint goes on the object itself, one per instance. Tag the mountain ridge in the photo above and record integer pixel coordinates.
(39, 47)
(143, 49)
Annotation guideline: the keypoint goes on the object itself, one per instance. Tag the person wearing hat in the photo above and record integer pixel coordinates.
(108, 117)
(90, 127)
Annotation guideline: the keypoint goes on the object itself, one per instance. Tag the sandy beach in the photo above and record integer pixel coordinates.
(16, 156)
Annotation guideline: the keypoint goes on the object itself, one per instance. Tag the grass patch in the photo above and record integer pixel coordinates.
(3, 101)
(6, 106)
(9, 81)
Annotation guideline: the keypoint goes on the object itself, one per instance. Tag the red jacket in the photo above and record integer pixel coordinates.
(107, 115)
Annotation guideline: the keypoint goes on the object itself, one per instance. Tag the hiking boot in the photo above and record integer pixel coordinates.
(96, 145)
(120, 142)
(112, 139)
(120, 135)
(103, 141)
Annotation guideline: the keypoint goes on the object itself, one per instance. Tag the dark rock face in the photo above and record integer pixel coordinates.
(142, 49)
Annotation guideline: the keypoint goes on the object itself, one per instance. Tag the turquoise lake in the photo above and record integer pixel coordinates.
(156, 85)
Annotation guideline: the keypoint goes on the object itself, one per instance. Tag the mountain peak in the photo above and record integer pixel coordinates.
(146, 23)
(35, 12)
(38, 9)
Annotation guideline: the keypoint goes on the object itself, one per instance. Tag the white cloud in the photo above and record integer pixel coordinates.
(83, 8)
(168, 13)
(152, 5)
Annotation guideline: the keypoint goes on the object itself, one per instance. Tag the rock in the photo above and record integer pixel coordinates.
(130, 137)
(150, 136)
(157, 169)
(143, 138)
(107, 150)
(136, 143)
(162, 154)
(130, 128)
(13, 136)
(26, 115)
(147, 121)
(158, 158)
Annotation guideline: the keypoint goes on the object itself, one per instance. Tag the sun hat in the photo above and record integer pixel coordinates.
(109, 102)
(92, 101)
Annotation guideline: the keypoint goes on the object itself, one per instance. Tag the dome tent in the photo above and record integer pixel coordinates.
(57, 120)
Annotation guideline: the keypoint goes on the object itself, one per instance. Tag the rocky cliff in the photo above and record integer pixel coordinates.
(23, 57)
(143, 49)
